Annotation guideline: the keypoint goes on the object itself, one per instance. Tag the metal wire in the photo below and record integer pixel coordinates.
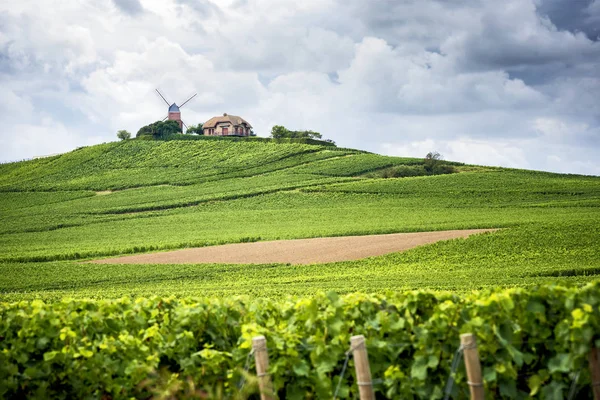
(455, 363)
(339, 385)
(573, 389)
(246, 368)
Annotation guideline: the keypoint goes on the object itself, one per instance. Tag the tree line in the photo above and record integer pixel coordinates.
(163, 129)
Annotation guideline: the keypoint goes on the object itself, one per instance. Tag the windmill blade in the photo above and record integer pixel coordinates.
(186, 127)
(165, 118)
(163, 97)
(195, 94)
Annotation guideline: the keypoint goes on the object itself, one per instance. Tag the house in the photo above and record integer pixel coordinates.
(227, 125)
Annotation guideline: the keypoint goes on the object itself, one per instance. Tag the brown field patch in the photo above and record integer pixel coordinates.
(298, 251)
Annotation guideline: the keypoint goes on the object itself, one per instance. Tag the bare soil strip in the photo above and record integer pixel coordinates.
(299, 251)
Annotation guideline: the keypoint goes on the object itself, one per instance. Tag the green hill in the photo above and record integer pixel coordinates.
(139, 196)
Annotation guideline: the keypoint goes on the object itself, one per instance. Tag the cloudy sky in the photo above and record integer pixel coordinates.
(513, 83)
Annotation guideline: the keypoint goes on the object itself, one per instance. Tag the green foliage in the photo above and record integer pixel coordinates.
(431, 161)
(431, 165)
(139, 196)
(353, 164)
(145, 163)
(123, 135)
(308, 134)
(530, 343)
(159, 129)
(252, 138)
(278, 132)
(172, 194)
(518, 256)
(281, 132)
(195, 129)
(404, 171)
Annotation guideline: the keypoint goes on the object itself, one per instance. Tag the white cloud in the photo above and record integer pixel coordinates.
(482, 82)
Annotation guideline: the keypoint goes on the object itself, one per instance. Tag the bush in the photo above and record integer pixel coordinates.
(159, 129)
(403, 171)
(441, 169)
(248, 138)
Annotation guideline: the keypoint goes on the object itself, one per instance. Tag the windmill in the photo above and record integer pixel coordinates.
(174, 112)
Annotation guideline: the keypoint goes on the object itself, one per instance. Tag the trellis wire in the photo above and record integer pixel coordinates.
(246, 368)
(457, 358)
(455, 363)
(573, 390)
(339, 385)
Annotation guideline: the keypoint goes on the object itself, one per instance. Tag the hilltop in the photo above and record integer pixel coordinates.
(139, 196)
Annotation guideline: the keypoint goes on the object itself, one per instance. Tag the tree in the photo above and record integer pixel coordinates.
(309, 134)
(123, 134)
(432, 159)
(197, 129)
(280, 132)
(159, 129)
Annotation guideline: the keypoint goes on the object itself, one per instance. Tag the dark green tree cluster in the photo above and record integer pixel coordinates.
(434, 164)
(281, 132)
(159, 130)
(195, 129)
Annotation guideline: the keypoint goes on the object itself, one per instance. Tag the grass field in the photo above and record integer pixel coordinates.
(138, 196)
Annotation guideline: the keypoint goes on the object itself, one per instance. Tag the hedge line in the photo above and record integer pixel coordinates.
(249, 139)
(531, 341)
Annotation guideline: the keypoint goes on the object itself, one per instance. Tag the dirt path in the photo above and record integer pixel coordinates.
(299, 251)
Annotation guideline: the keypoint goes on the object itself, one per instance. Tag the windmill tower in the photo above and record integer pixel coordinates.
(174, 110)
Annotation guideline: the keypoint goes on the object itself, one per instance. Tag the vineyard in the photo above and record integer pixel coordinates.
(528, 291)
(140, 196)
(532, 343)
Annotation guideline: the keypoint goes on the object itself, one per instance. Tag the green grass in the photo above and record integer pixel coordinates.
(177, 194)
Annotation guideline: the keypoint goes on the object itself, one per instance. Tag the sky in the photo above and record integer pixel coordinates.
(512, 83)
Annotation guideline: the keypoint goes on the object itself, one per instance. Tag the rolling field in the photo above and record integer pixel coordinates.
(528, 291)
(140, 196)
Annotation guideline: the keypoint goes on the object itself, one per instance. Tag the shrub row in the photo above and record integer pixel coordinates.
(250, 139)
(403, 171)
(531, 341)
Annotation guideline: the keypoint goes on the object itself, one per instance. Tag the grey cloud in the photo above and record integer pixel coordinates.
(402, 23)
(493, 78)
(574, 16)
(131, 7)
(513, 37)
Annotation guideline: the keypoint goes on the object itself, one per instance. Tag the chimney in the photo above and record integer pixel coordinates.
(224, 114)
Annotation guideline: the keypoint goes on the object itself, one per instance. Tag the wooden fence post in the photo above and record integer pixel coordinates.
(363, 371)
(473, 366)
(595, 372)
(261, 356)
